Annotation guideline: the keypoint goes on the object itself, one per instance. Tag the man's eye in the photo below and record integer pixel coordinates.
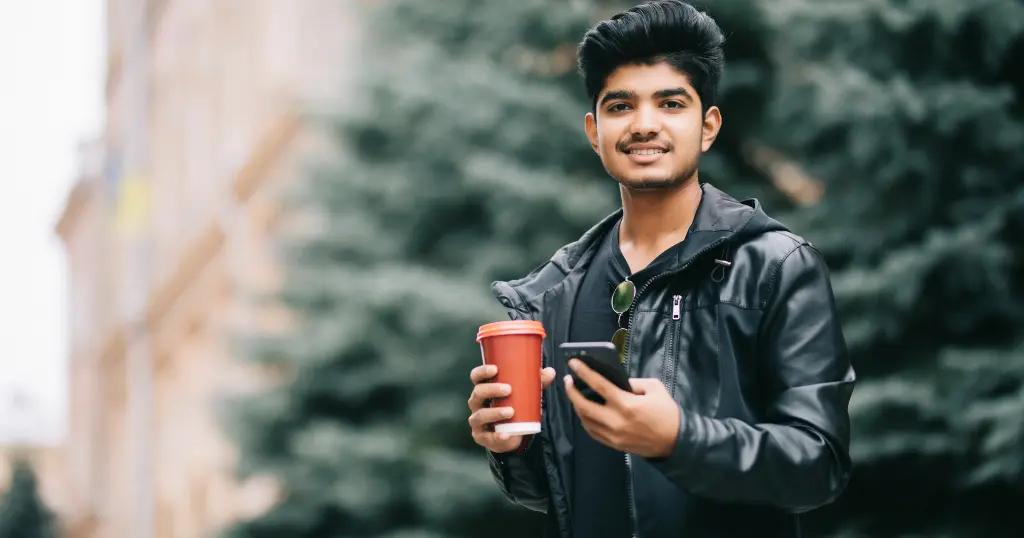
(672, 104)
(618, 107)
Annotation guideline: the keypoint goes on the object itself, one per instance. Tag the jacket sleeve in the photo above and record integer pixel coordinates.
(797, 458)
(520, 475)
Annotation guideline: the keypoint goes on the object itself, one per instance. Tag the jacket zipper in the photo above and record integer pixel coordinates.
(629, 337)
(669, 373)
(629, 497)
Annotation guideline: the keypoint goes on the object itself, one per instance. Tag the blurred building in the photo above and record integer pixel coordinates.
(169, 233)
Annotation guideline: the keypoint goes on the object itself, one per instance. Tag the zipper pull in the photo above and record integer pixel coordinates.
(675, 305)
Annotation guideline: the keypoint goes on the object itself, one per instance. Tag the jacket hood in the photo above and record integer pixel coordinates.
(720, 219)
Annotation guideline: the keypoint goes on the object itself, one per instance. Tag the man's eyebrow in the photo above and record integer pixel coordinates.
(672, 92)
(617, 94)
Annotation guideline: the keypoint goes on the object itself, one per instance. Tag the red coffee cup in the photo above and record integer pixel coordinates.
(515, 348)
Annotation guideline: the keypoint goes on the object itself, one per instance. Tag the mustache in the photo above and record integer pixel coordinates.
(624, 145)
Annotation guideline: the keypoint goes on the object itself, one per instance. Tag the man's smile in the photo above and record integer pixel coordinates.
(645, 154)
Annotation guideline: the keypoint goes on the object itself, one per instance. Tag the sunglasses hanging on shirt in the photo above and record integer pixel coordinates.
(622, 300)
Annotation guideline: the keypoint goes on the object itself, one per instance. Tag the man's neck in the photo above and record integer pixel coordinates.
(655, 220)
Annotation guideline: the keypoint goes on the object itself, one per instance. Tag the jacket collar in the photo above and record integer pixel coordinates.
(719, 218)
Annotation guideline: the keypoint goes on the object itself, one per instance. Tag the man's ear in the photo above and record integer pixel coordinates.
(712, 124)
(590, 127)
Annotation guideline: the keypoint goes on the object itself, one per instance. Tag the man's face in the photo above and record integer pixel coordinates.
(649, 130)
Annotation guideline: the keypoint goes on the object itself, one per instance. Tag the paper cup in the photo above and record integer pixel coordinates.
(515, 348)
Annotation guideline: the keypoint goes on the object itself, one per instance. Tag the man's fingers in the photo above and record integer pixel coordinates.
(487, 391)
(575, 396)
(643, 385)
(596, 381)
(487, 415)
(483, 372)
(586, 409)
(492, 440)
(547, 375)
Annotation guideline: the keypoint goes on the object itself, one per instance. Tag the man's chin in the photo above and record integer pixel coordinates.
(652, 184)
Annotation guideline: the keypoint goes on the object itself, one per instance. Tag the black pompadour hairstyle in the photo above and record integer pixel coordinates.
(670, 31)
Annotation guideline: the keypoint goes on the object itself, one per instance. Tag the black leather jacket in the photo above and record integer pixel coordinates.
(752, 352)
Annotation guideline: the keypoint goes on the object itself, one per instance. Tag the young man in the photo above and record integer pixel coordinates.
(738, 419)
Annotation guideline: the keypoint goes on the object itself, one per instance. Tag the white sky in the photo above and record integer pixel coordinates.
(51, 83)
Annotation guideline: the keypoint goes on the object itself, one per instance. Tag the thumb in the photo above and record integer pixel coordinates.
(547, 375)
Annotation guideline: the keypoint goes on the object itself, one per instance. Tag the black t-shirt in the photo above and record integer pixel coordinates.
(600, 505)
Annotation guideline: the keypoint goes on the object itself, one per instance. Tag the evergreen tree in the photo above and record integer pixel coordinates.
(464, 161)
(910, 112)
(22, 512)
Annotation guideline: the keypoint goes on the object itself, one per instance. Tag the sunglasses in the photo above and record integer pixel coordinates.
(622, 300)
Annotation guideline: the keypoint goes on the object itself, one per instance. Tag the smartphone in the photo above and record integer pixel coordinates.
(601, 357)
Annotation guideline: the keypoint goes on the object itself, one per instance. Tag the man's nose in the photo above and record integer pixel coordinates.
(645, 122)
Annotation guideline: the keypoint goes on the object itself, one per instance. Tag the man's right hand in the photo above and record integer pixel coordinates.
(481, 417)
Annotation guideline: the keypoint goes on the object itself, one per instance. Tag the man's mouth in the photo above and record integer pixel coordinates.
(645, 155)
(646, 151)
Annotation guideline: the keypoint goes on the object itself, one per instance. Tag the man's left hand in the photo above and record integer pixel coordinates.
(644, 422)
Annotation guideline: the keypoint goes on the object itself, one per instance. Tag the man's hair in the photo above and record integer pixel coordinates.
(668, 31)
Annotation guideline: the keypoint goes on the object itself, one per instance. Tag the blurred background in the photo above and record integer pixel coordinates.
(250, 242)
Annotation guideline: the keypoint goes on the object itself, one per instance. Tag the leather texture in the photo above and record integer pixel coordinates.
(756, 361)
